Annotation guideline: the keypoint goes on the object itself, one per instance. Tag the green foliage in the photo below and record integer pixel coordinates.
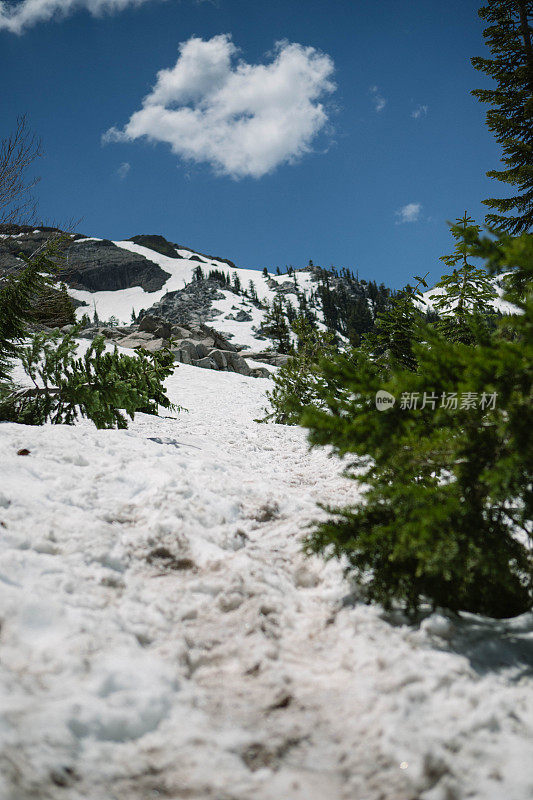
(467, 292)
(54, 308)
(446, 495)
(297, 383)
(252, 292)
(397, 329)
(510, 118)
(102, 386)
(276, 327)
(105, 387)
(237, 288)
(18, 294)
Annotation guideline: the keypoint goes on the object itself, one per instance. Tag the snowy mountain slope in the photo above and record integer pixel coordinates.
(121, 303)
(162, 636)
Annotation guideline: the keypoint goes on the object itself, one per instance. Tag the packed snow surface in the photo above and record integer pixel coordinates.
(163, 636)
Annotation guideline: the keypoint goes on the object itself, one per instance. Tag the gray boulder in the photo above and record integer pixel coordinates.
(206, 363)
(240, 316)
(237, 363)
(219, 358)
(186, 346)
(260, 372)
(270, 357)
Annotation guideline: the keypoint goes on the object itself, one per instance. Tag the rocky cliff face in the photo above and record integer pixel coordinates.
(92, 264)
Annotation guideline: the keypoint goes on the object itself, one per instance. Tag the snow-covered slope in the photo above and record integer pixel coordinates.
(163, 637)
(121, 303)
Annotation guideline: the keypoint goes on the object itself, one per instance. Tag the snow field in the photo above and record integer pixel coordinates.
(163, 636)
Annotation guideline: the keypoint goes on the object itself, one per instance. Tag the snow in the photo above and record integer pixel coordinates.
(121, 303)
(241, 332)
(163, 636)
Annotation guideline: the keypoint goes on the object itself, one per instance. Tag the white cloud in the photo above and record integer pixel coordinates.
(420, 111)
(123, 170)
(408, 213)
(15, 18)
(378, 100)
(243, 119)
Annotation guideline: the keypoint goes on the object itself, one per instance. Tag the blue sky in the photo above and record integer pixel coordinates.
(271, 166)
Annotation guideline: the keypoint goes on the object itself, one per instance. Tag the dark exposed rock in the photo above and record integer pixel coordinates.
(156, 242)
(260, 372)
(203, 255)
(240, 316)
(102, 266)
(270, 357)
(85, 264)
(161, 245)
(159, 327)
(191, 304)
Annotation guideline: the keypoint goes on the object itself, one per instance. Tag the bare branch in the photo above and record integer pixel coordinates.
(17, 153)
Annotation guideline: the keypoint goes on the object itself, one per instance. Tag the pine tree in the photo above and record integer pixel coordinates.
(509, 37)
(103, 386)
(397, 329)
(359, 322)
(468, 292)
(297, 383)
(276, 327)
(236, 284)
(252, 291)
(447, 509)
(198, 273)
(265, 272)
(53, 308)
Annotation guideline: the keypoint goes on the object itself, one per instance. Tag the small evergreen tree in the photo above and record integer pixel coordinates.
(276, 327)
(265, 272)
(297, 383)
(446, 515)
(397, 329)
(237, 288)
(103, 386)
(252, 291)
(467, 292)
(198, 273)
(54, 308)
(509, 37)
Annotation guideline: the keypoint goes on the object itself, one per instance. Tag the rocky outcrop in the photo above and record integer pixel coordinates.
(191, 305)
(93, 265)
(240, 316)
(102, 266)
(198, 345)
(156, 242)
(271, 357)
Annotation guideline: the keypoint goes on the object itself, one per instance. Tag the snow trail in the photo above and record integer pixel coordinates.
(163, 637)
